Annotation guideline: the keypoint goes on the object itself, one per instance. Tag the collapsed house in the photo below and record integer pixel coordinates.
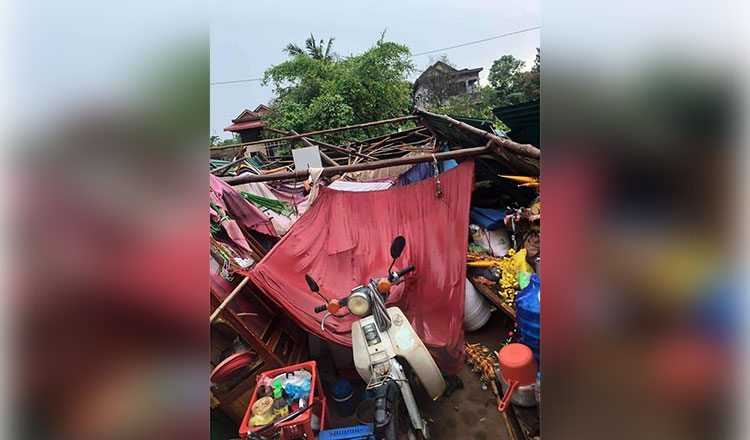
(464, 196)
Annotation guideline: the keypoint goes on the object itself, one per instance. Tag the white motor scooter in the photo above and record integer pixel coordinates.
(383, 343)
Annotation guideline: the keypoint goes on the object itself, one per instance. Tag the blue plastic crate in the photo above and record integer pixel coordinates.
(362, 432)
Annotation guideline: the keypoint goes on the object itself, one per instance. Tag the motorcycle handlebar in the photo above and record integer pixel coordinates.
(321, 308)
(404, 271)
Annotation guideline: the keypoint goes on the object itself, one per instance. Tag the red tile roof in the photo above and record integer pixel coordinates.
(244, 125)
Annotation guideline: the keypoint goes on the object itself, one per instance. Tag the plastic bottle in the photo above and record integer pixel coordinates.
(280, 407)
(265, 391)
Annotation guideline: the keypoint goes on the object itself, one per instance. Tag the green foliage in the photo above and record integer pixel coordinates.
(510, 84)
(463, 105)
(314, 50)
(315, 93)
(216, 141)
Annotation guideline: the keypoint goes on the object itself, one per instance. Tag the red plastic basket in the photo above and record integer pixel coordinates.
(316, 398)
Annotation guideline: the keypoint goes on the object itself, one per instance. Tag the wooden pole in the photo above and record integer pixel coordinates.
(305, 141)
(402, 133)
(513, 160)
(344, 151)
(313, 133)
(523, 149)
(229, 299)
(332, 171)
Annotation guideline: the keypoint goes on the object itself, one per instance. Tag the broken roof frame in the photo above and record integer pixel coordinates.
(464, 137)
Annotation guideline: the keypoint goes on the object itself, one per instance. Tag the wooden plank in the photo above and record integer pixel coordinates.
(228, 299)
(494, 298)
(241, 388)
(528, 421)
(511, 425)
(250, 337)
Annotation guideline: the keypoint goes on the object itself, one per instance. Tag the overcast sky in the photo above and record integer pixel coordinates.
(247, 37)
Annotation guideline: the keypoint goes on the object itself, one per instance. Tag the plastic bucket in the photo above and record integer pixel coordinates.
(365, 412)
(343, 394)
(476, 309)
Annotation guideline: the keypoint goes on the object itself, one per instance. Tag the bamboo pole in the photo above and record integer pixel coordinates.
(332, 171)
(523, 149)
(305, 142)
(402, 133)
(513, 160)
(313, 133)
(229, 299)
(343, 150)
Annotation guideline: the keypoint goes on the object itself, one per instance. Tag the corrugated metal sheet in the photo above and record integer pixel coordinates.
(523, 121)
(518, 114)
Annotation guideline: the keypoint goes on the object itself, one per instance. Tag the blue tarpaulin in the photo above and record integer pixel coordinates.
(416, 174)
(490, 219)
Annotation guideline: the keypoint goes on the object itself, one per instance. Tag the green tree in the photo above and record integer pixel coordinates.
(511, 84)
(235, 139)
(506, 80)
(463, 105)
(314, 50)
(317, 93)
(216, 141)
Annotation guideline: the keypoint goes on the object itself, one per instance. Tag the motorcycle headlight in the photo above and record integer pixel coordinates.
(359, 304)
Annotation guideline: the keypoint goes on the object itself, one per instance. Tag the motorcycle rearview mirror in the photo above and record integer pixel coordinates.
(397, 247)
(311, 283)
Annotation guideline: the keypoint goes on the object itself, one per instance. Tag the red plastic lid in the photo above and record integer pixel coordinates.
(517, 363)
(224, 370)
(515, 355)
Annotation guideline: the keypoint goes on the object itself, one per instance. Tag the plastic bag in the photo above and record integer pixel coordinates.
(495, 243)
(295, 392)
(523, 268)
(297, 377)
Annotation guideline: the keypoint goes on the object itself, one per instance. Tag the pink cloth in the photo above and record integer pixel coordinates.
(281, 223)
(243, 213)
(344, 239)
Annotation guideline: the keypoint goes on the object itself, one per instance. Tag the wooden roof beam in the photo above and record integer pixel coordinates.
(313, 133)
(332, 171)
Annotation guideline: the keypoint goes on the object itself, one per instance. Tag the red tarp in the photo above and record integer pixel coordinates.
(344, 239)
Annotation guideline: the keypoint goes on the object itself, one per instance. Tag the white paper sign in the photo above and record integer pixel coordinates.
(308, 157)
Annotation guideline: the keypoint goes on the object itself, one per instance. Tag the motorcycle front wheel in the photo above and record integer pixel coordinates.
(390, 430)
(399, 425)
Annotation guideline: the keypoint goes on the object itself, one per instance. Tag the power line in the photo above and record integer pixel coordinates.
(478, 41)
(414, 55)
(236, 81)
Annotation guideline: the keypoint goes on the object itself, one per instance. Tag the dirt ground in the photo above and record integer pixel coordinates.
(469, 413)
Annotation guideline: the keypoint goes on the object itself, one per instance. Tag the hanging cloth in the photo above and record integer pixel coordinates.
(343, 240)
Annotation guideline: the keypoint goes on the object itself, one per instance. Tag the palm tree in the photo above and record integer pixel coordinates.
(314, 50)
